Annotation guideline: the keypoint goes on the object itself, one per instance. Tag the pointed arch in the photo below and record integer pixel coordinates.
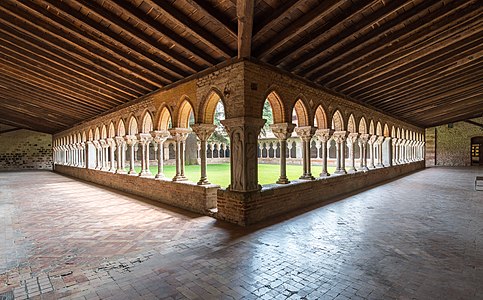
(320, 119)
(91, 134)
(97, 134)
(393, 132)
(132, 127)
(337, 121)
(73, 138)
(277, 107)
(163, 118)
(386, 130)
(351, 124)
(121, 128)
(84, 136)
(111, 132)
(379, 129)
(184, 112)
(79, 137)
(210, 104)
(398, 133)
(104, 132)
(371, 128)
(363, 126)
(147, 122)
(407, 134)
(301, 112)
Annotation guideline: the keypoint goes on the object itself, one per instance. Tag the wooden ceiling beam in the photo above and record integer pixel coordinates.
(28, 114)
(101, 50)
(54, 78)
(169, 11)
(261, 28)
(172, 71)
(74, 66)
(389, 48)
(450, 115)
(407, 67)
(295, 28)
(436, 79)
(245, 26)
(7, 117)
(307, 62)
(214, 16)
(87, 55)
(140, 17)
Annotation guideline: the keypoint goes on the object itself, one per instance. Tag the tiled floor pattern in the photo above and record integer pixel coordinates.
(418, 237)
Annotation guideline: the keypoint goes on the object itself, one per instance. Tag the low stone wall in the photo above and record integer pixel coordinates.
(249, 208)
(186, 195)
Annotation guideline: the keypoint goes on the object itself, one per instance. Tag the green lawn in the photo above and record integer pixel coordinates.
(220, 173)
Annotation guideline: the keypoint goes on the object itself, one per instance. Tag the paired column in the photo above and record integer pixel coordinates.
(372, 142)
(352, 140)
(282, 132)
(131, 142)
(380, 141)
(97, 146)
(159, 137)
(112, 147)
(339, 138)
(306, 133)
(180, 135)
(243, 132)
(363, 139)
(324, 135)
(204, 132)
(145, 140)
(121, 152)
(104, 155)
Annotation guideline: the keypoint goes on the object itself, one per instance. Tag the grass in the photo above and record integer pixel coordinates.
(220, 173)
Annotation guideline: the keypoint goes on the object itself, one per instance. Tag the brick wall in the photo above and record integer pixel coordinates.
(451, 146)
(25, 149)
(249, 208)
(189, 196)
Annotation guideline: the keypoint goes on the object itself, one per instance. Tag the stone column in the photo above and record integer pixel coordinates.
(243, 133)
(145, 140)
(282, 132)
(324, 136)
(203, 132)
(379, 142)
(363, 139)
(306, 133)
(120, 155)
(112, 147)
(372, 140)
(131, 142)
(395, 145)
(104, 156)
(180, 135)
(389, 153)
(97, 146)
(160, 136)
(339, 138)
(352, 140)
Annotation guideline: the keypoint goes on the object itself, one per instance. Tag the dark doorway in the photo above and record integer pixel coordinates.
(476, 148)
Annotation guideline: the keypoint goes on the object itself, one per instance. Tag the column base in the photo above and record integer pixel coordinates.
(283, 180)
(180, 178)
(118, 171)
(307, 177)
(364, 169)
(324, 174)
(145, 174)
(159, 176)
(340, 172)
(351, 171)
(132, 172)
(203, 181)
(379, 166)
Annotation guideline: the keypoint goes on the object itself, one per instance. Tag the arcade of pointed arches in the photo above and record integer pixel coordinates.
(323, 135)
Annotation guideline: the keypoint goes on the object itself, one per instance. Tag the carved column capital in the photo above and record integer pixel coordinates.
(352, 137)
(282, 131)
(339, 136)
(380, 139)
(324, 135)
(203, 131)
(160, 136)
(96, 144)
(111, 142)
(131, 140)
(119, 141)
(364, 137)
(144, 138)
(179, 134)
(372, 139)
(305, 132)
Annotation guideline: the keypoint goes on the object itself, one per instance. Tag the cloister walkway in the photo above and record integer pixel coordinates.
(420, 236)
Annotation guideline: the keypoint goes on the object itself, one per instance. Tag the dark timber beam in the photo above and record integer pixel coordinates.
(266, 24)
(244, 10)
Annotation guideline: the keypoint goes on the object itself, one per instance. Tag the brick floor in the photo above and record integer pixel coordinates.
(418, 237)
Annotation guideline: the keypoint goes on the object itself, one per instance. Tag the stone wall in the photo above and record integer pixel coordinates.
(186, 195)
(447, 146)
(24, 149)
(249, 208)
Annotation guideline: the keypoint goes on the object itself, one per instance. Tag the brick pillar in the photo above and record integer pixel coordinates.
(203, 132)
(180, 135)
(282, 131)
(160, 136)
(324, 136)
(243, 132)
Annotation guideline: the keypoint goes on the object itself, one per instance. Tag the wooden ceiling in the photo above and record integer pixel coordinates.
(66, 61)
